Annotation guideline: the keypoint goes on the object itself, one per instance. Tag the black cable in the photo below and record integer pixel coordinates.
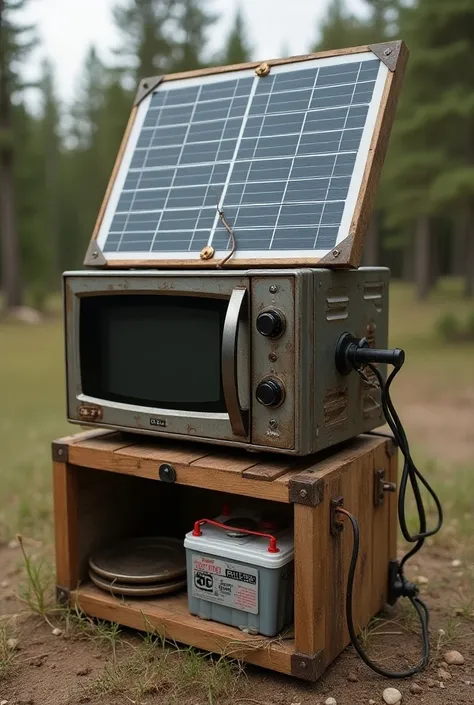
(418, 604)
(410, 473)
(401, 588)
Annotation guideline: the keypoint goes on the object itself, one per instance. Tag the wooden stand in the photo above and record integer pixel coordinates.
(107, 485)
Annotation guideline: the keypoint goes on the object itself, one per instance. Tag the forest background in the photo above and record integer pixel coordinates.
(55, 160)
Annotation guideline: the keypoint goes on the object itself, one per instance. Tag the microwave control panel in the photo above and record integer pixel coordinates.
(273, 361)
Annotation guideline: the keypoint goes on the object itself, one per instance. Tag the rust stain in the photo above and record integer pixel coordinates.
(335, 406)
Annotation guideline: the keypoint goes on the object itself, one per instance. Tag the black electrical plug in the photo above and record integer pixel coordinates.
(352, 353)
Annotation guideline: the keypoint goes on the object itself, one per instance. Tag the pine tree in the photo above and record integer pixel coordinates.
(431, 165)
(237, 50)
(51, 147)
(145, 27)
(15, 43)
(339, 29)
(192, 22)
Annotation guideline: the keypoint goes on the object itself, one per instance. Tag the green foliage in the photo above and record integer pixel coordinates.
(452, 330)
(237, 50)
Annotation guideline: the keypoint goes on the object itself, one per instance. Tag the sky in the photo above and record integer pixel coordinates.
(67, 28)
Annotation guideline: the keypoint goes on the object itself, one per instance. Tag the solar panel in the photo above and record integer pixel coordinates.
(277, 163)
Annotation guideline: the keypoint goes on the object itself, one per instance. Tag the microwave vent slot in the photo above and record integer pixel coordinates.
(337, 307)
(373, 291)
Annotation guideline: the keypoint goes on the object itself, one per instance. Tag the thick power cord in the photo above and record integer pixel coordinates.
(354, 354)
(417, 603)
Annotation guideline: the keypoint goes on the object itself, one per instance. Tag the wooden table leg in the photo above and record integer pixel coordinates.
(65, 528)
(311, 535)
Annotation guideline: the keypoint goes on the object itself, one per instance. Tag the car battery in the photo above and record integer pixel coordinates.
(239, 575)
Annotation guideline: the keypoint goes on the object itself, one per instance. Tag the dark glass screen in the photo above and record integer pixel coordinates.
(152, 350)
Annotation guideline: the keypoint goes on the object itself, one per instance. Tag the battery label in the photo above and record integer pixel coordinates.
(229, 584)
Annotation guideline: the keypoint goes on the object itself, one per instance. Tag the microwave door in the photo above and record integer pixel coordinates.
(238, 417)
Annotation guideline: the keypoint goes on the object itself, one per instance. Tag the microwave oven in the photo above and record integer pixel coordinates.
(240, 358)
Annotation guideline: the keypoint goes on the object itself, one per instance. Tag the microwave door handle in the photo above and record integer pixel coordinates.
(237, 416)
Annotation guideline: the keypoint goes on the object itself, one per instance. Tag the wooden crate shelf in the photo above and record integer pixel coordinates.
(107, 485)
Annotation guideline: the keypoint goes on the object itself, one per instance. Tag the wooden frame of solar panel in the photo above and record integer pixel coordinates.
(343, 250)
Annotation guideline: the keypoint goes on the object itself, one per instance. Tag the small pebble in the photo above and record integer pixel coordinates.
(56, 631)
(443, 674)
(13, 543)
(392, 696)
(352, 677)
(421, 580)
(454, 658)
(4, 583)
(416, 689)
(330, 701)
(430, 683)
(85, 670)
(442, 685)
(12, 644)
(456, 563)
(3, 702)
(371, 702)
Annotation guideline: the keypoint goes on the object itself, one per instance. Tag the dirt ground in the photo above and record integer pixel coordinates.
(58, 670)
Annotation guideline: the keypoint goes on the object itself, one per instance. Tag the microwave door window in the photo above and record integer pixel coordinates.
(150, 350)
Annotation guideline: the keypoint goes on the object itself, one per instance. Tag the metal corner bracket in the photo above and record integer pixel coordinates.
(59, 451)
(306, 489)
(387, 52)
(308, 668)
(147, 86)
(94, 256)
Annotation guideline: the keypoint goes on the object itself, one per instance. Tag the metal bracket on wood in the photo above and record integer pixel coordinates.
(63, 595)
(309, 668)
(59, 452)
(387, 52)
(381, 486)
(146, 86)
(306, 489)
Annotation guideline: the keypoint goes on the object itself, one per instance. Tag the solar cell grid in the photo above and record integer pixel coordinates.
(277, 154)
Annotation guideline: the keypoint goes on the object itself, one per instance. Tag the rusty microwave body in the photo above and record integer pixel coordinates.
(242, 358)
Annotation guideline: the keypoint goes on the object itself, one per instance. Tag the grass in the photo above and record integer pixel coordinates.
(152, 668)
(7, 654)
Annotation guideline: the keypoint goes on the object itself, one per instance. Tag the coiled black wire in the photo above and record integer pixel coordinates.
(410, 474)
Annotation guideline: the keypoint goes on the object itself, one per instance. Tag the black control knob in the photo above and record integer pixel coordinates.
(270, 392)
(271, 324)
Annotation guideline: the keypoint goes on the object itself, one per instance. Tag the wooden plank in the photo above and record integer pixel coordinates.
(232, 461)
(272, 62)
(310, 531)
(167, 452)
(392, 500)
(336, 636)
(170, 617)
(65, 525)
(381, 533)
(360, 487)
(194, 476)
(269, 470)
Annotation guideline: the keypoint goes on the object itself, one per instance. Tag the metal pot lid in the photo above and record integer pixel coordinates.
(124, 590)
(240, 523)
(143, 560)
